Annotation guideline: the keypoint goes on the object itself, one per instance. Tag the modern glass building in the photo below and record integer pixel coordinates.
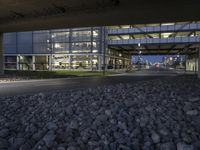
(79, 48)
(93, 48)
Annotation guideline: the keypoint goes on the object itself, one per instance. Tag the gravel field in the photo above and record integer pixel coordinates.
(162, 114)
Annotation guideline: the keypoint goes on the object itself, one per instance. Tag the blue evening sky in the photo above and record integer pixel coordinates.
(152, 59)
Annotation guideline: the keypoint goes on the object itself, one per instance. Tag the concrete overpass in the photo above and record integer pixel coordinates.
(23, 15)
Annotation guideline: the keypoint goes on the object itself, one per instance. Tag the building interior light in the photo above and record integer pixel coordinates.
(94, 51)
(95, 33)
(57, 45)
(166, 35)
(168, 24)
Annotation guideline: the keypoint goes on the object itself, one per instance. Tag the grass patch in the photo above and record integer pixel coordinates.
(54, 74)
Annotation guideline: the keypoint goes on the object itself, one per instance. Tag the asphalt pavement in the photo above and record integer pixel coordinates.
(53, 85)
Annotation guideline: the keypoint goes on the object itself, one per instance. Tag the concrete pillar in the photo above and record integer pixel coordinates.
(199, 65)
(18, 62)
(70, 64)
(33, 62)
(91, 62)
(99, 62)
(50, 62)
(1, 55)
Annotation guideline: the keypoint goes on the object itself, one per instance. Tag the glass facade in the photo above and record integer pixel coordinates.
(77, 48)
(95, 47)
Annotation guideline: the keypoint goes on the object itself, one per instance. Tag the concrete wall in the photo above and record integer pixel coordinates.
(1, 55)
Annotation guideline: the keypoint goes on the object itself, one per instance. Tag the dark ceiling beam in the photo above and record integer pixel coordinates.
(132, 36)
(150, 49)
(155, 52)
(142, 31)
(185, 49)
(131, 49)
(124, 50)
(172, 47)
(120, 37)
(115, 2)
(16, 15)
(146, 47)
(175, 52)
(179, 30)
(191, 33)
(60, 9)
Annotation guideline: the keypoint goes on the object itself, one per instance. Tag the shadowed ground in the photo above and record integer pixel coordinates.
(159, 113)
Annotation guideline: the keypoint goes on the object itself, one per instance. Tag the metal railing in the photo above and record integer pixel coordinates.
(156, 29)
(173, 40)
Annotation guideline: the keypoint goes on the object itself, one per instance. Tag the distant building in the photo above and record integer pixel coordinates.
(94, 48)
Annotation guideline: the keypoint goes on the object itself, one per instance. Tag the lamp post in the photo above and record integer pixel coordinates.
(50, 59)
(50, 48)
(104, 52)
(139, 53)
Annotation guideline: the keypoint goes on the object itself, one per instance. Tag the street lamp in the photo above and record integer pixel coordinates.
(139, 53)
(50, 48)
(50, 59)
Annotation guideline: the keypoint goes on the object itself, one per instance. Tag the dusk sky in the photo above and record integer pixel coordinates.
(152, 59)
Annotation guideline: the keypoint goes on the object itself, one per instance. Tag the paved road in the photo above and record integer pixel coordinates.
(35, 86)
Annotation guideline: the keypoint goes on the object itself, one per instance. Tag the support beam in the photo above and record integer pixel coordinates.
(179, 30)
(171, 48)
(184, 49)
(1, 55)
(149, 36)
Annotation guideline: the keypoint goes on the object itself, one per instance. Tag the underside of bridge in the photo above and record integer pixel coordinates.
(162, 49)
(22, 15)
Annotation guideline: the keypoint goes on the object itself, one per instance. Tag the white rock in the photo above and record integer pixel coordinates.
(192, 112)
